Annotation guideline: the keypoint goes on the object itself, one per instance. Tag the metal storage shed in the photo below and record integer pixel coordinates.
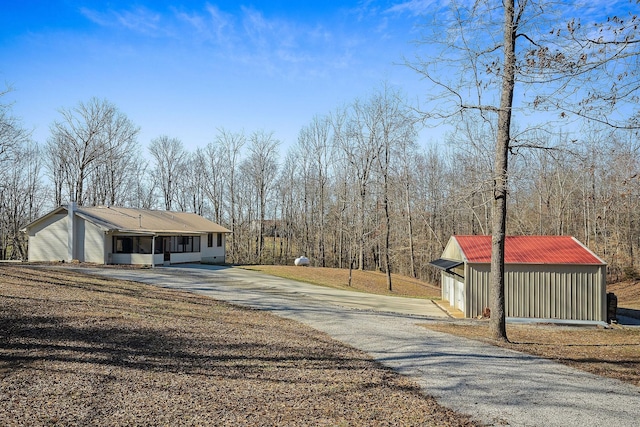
(546, 277)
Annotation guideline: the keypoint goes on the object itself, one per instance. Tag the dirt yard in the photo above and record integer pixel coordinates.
(82, 350)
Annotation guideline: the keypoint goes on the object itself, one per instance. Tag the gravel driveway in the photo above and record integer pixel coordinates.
(494, 385)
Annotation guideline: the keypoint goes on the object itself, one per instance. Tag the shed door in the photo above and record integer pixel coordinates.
(445, 286)
(453, 291)
(459, 294)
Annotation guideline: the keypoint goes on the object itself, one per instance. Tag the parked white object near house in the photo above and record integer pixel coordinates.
(302, 261)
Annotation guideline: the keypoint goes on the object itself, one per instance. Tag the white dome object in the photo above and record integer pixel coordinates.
(302, 261)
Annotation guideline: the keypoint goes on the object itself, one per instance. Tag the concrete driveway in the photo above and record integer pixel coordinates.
(495, 386)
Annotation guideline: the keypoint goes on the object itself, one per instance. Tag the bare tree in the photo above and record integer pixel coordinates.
(21, 191)
(396, 130)
(230, 150)
(211, 166)
(115, 174)
(142, 194)
(561, 58)
(21, 199)
(289, 194)
(12, 133)
(315, 143)
(261, 166)
(356, 137)
(88, 137)
(406, 181)
(303, 175)
(169, 155)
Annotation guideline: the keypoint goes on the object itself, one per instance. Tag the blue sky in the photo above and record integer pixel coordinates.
(183, 69)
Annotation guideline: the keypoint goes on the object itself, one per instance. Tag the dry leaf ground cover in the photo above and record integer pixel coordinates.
(82, 350)
(611, 352)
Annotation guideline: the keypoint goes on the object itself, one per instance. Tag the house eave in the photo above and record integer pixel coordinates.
(55, 211)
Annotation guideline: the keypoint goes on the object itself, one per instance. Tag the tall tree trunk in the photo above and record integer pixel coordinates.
(412, 255)
(498, 316)
(387, 259)
(361, 231)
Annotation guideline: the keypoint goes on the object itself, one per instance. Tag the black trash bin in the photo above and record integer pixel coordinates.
(612, 308)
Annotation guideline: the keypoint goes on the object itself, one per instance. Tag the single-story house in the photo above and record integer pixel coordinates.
(546, 277)
(114, 235)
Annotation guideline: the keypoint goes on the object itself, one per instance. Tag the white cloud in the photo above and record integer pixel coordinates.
(139, 19)
(211, 26)
(275, 45)
(221, 22)
(413, 7)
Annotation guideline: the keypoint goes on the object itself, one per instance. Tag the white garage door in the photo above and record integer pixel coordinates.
(453, 291)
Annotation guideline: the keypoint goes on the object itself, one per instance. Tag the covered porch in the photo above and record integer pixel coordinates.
(154, 249)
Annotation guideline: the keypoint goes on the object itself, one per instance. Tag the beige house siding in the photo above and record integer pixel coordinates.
(575, 292)
(89, 242)
(136, 259)
(48, 241)
(214, 254)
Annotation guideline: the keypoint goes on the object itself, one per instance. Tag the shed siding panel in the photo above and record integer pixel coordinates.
(452, 251)
(542, 291)
(48, 241)
(478, 284)
(560, 292)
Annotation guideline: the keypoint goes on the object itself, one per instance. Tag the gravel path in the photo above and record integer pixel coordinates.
(494, 385)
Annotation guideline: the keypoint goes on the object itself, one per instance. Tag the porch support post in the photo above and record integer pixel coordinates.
(153, 251)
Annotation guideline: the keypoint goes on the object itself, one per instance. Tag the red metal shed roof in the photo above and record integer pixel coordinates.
(529, 250)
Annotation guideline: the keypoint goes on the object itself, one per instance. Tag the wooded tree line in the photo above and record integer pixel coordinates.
(358, 188)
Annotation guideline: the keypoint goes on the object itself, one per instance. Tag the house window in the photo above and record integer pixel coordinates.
(219, 242)
(132, 244)
(210, 240)
(180, 244)
(159, 244)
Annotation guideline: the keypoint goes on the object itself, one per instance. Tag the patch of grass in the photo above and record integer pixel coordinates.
(628, 293)
(362, 281)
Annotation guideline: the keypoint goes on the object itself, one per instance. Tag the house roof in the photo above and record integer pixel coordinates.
(529, 250)
(142, 220)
